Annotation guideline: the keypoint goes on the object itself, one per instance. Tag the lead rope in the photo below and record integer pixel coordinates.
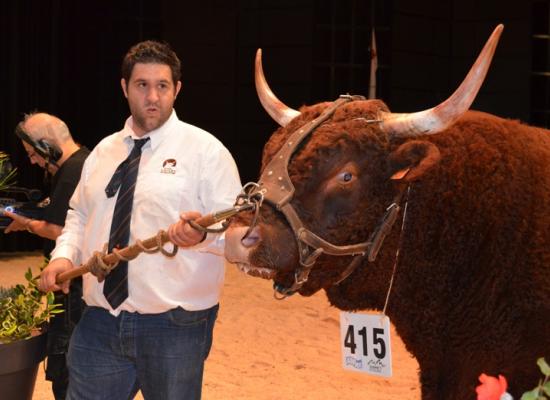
(101, 269)
(396, 261)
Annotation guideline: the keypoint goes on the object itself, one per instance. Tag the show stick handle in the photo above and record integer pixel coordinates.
(131, 251)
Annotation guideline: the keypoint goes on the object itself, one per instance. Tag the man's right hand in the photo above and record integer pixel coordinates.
(49, 274)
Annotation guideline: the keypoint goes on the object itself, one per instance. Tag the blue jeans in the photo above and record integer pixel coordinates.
(111, 358)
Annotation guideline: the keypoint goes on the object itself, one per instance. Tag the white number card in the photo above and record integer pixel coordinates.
(365, 343)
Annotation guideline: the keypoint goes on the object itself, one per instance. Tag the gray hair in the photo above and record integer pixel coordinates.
(48, 127)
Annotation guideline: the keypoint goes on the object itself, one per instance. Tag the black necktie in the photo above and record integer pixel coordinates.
(116, 283)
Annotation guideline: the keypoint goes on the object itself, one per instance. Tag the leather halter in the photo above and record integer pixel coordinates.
(275, 186)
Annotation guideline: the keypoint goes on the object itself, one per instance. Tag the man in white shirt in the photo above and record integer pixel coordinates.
(157, 336)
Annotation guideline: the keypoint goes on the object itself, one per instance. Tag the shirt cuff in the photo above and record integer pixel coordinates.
(66, 251)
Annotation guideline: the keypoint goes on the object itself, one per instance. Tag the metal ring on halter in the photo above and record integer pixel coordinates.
(251, 193)
(253, 222)
(161, 249)
(249, 187)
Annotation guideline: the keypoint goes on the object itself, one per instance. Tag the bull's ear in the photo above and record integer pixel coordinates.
(413, 159)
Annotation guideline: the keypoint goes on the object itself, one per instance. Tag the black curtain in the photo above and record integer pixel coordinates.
(63, 57)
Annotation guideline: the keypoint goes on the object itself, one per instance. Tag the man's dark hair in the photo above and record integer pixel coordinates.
(151, 52)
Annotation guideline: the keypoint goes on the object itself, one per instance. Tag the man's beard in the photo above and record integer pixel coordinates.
(148, 125)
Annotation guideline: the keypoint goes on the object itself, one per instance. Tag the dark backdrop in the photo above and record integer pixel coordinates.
(63, 57)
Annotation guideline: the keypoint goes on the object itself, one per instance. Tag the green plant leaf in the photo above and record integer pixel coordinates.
(28, 275)
(10, 329)
(544, 367)
(25, 309)
(531, 395)
(7, 172)
(546, 388)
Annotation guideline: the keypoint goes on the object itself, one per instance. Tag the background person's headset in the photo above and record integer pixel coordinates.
(48, 151)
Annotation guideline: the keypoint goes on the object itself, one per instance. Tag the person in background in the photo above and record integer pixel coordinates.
(49, 144)
(148, 326)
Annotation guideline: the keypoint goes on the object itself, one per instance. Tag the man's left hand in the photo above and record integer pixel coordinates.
(182, 234)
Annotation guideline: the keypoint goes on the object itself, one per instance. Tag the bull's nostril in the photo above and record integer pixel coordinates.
(251, 239)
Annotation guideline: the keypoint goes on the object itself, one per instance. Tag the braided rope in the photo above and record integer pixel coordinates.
(159, 244)
(98, 267)
(158, 247)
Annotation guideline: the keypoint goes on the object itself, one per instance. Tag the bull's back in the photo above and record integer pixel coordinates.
(486, 223)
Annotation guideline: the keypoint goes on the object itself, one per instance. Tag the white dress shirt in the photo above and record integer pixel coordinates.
(182, 168)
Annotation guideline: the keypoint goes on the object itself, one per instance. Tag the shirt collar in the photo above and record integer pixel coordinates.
(156, 136)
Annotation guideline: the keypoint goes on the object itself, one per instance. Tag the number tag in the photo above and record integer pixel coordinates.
(365, 342)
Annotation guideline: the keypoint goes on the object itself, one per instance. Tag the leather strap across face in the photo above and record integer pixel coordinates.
(275, 182)
(275, 187)
(278, 190)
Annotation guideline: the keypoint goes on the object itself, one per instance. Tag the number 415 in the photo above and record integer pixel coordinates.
(349, 341)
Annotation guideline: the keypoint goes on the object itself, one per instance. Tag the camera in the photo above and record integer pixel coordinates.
(21, 201)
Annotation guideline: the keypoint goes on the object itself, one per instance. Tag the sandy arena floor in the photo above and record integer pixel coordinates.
(265, 349)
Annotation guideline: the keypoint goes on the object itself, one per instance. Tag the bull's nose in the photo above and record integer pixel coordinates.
(252, 238)
(237, 246)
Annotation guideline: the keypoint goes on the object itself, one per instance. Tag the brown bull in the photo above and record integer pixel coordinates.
(471, 288)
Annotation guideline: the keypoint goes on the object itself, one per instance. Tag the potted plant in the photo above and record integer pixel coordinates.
(7, 173)
(23, 321)
(24, 312)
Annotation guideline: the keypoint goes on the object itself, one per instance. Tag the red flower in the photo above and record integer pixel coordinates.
(491, 388)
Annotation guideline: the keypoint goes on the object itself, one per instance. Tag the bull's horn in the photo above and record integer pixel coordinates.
(440, 117)
(281, 113)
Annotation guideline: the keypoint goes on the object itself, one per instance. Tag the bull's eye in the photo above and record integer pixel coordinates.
(345, 177)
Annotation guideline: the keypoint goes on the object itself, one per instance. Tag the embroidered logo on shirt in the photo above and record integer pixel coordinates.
(168, 166)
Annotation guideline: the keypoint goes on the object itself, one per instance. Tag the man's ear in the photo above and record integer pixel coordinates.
(178, 87)
(124, 87)
(412, 160)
